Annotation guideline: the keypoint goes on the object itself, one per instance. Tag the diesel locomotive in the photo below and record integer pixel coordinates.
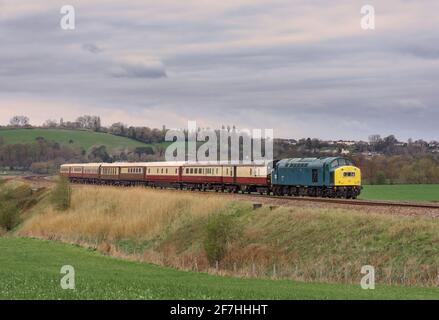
(334, 177)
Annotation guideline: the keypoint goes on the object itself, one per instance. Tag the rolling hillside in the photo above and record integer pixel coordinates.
(84, 139)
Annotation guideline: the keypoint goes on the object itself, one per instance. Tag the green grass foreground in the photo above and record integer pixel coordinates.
(30, 269)
(403, 192)
(84, 139)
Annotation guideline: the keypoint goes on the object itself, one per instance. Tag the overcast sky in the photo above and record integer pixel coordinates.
(304, 68)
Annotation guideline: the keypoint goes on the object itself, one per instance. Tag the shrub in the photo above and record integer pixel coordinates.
(220, 231)
(9, 215)
(61, 194)
(19, 193)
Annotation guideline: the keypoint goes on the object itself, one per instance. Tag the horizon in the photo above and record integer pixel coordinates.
(323, 139)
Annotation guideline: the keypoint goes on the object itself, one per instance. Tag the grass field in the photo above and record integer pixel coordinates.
(407, 192)
(84, 139)
(30, 269)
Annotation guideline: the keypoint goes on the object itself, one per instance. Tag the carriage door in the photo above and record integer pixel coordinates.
(234, 174)
(180, 174)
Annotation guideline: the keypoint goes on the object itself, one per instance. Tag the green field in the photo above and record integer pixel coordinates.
(405, 192)
(30, 269)
(84, 139)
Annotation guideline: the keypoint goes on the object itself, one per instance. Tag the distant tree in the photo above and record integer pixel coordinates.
(374, 139)
(118, 128)
(19, 121)
(99, 154)
(89, 122)
(50, 124)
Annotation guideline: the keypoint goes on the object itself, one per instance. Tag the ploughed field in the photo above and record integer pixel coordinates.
(30, 269)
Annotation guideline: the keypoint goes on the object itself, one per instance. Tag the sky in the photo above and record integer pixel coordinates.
(302, 68)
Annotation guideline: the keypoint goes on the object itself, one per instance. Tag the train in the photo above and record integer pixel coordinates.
(332, 177)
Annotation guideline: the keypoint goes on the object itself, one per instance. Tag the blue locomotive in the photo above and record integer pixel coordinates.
(333, 177)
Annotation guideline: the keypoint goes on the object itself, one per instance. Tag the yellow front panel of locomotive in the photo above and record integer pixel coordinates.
(347, 176)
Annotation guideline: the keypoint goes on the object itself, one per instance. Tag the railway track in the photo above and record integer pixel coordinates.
(359, 202)
(356, 202)
(419, 205)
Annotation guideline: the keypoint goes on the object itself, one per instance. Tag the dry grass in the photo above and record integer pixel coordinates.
(303, 243)
(108, 213)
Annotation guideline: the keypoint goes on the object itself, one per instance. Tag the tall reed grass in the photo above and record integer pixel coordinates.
(109, 213)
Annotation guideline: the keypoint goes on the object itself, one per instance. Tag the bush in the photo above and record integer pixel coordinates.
(220, 231)
(9, 215)
(61, 194)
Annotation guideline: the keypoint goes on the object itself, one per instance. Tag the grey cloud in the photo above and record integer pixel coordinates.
(136, 70)
(92, 48)
(344, 86)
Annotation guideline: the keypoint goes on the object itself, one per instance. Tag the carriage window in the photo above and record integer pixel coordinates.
(341, 162)
(227, 171)
(250, 171)
(166, 170)
(191, 170)
(216, 170)
(334, 164)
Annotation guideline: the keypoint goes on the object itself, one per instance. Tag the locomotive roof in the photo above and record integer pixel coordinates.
(307, 162)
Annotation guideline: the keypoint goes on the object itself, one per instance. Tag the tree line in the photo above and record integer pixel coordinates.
(382, 160)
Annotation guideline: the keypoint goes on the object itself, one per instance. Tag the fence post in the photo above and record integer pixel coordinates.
(274, 270)
(216, 266)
